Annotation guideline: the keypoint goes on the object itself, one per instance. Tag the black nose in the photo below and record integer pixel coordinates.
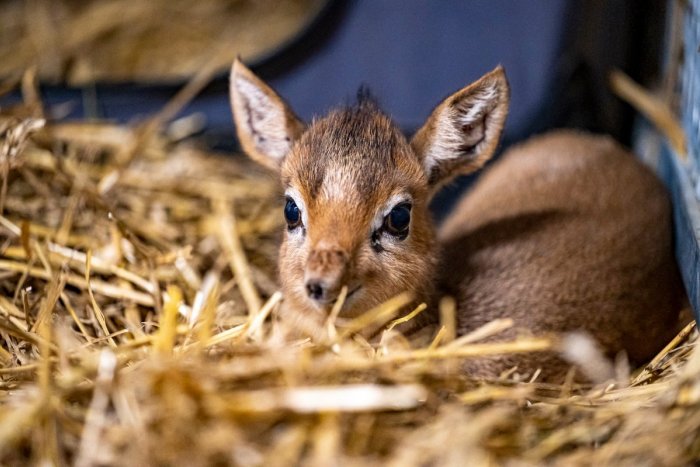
(315, 289)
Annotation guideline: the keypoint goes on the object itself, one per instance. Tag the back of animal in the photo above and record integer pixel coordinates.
(567, 232)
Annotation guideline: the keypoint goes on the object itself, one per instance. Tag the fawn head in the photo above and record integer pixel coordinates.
(357, 191)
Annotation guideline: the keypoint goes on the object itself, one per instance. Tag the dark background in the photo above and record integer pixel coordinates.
(412, 53)
(557, 55)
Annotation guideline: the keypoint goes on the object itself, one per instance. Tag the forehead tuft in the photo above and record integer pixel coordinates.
(355, 149)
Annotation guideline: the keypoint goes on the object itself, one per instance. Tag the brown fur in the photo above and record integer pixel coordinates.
(345, 166)
(567, 232)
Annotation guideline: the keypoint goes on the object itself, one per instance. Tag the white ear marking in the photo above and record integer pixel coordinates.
(264, 120)
(265, 125)
(463, 131)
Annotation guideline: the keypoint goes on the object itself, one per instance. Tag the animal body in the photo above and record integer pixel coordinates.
(566, 232)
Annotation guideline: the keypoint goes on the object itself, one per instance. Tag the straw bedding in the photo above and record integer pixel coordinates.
(80, 41)
(139, 326)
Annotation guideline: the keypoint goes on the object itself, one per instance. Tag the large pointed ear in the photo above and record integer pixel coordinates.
(463, 131)
(265, 125)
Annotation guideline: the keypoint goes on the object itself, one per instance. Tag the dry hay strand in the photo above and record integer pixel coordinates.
(78, 42)
(139, 325)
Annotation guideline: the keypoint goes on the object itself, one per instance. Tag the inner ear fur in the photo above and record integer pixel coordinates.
(266, 126)
(463, 131)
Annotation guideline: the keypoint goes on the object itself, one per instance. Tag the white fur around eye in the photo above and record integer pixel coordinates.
(293, 193)
(387, 207)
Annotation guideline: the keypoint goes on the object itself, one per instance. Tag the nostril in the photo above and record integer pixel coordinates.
(315, 290)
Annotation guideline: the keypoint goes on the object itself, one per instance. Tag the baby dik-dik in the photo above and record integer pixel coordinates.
(567, 232)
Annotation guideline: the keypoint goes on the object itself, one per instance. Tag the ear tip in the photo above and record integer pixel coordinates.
(238, 68)
(499, 78)
(499, 73)
(235, 69)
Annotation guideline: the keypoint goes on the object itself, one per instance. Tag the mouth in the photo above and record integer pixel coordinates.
(329, 302)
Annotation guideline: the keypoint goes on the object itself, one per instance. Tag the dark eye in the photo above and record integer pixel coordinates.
(292, 214)
(397, 221)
